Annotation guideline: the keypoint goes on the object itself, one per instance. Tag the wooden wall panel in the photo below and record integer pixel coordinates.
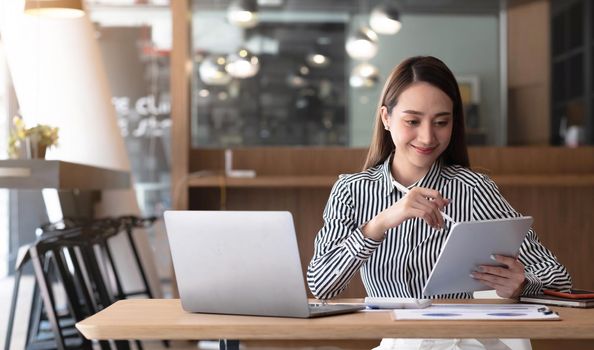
(528, 72)
(564, 223)
(283, 161)
(293, 161)
(562, 211)
(532, 160)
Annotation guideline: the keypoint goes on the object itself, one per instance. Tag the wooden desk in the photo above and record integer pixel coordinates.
(165, 319)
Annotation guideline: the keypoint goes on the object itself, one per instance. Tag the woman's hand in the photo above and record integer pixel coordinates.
(507, 281)
(420, 202)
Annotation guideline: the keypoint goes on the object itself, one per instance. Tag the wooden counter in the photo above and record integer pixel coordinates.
(41, 173)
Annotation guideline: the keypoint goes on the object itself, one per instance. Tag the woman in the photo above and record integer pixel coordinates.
(394, 237)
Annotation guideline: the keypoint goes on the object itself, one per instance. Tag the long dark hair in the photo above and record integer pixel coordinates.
(430, 70)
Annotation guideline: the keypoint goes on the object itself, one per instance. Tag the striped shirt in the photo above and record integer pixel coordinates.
(400, 265)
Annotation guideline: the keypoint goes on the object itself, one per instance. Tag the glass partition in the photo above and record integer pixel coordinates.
(135, 43)
(296, 96)
(4, 193)
(286, 97)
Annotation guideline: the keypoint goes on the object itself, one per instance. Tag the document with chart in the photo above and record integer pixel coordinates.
(491, 312)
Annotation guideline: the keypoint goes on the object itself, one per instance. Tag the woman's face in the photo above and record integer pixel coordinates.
(420, 125)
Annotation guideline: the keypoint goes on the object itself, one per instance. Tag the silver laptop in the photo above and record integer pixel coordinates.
(469, 245)
(241, 262)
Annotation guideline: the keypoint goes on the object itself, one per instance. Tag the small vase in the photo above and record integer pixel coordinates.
(41, 151)
(35, 150)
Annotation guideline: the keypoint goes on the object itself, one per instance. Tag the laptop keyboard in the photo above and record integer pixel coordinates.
(321, 307)
(317, 308)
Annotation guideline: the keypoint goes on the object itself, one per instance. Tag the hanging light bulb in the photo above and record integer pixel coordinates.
(55, 8)
(317, 60)
(242, 64)
(212, 71)
(385, 19)
(297, 79)
(243, 13)
(364, 75)
(362, 45)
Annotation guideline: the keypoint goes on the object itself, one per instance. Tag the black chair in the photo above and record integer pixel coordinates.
(67, 256)
(53, 330)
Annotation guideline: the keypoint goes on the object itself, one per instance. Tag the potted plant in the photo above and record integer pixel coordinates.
(36, 140)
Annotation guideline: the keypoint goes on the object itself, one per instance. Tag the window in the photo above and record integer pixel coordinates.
(4, 130)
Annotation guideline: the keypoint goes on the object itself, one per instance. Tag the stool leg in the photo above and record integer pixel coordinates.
(46, 295)
(120, 289)
(34, 314)
(13, 302)
(84, 278)
(83, 284)
(79, 280)
(138, 262)
(103, 295)
(72, 295)
(227, 344)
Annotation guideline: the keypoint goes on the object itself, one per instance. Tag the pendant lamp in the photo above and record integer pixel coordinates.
(212, 71)
(243, 13)
(385, 19)
(55, 8)
(242, 64)
(364, 75)
(317, 60)
(362, 45)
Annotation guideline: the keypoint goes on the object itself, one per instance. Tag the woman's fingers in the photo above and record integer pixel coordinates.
(433, 195)
(512, 263)
(424, 203)
(509, 281)
(496, 271)
(429, 213)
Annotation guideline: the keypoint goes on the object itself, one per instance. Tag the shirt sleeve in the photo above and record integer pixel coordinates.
(340, 247)
(542, 269)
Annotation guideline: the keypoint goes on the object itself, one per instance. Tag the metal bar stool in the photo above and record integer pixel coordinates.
(66, 256)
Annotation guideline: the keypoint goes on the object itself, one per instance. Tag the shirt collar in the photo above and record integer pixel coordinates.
(430, 180)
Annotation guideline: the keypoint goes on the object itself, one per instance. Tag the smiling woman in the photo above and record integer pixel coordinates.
(387, 221)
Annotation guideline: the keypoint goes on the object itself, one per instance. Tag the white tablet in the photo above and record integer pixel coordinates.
(469, 245)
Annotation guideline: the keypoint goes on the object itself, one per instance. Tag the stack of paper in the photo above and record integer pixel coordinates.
(478, 312)
(554, 300)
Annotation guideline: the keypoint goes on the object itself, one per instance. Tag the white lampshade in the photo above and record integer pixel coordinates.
(242, 64)
(212, 71)
(364, 75)
(362, 45)
(385, 19)
(55, 8)
(243, 13)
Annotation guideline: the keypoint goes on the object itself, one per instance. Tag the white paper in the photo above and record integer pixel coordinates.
(491, 312)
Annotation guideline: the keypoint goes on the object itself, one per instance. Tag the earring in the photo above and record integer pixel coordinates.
(386, 127)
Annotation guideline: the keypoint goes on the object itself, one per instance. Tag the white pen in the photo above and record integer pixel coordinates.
(405, 190)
